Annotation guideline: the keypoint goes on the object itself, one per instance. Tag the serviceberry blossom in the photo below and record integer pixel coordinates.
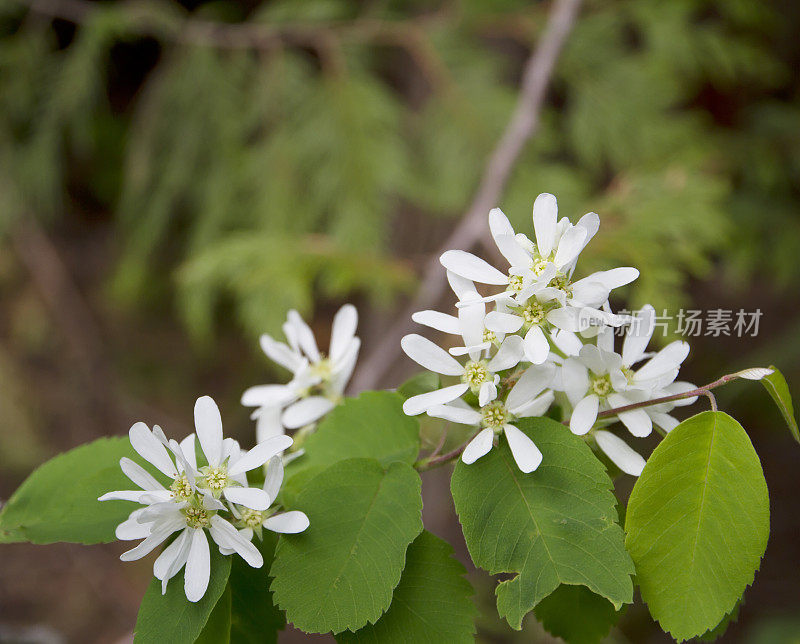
(195, 500)
(524, 400)
(548, 340)
(318, 380)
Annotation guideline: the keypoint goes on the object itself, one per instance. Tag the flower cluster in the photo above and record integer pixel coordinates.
(207, 491)
(318, 380)
(548, 341)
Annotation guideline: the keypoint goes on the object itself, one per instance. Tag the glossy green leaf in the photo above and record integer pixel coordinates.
(218, 627)
(58, 501)
(340, 573)
(778, 389)
(576, 615)
(370, 426)
(173, 619)
(432, 603)
(557, 525)
(254, 617)
(697, 523)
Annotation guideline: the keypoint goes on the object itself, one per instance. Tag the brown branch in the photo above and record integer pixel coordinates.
(521, 127)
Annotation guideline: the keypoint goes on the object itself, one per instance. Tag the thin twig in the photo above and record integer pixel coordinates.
(521, 127)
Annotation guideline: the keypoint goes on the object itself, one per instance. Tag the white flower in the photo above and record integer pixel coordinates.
(524, 400)
(191, 504)
(318, 381)
(224, 476)
(251, 522)
(477, 375)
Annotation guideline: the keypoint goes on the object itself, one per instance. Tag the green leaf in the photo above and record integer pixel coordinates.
(58, 501)
(557, 525)
(218, 627)
(173, 619)
(421, 383)
(339, 574)
(576, 615)
(432, 603)
(370, 426)
(697, 523)
(778, 389)
(255, 619)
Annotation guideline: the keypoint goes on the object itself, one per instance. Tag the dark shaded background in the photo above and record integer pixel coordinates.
(165, 197)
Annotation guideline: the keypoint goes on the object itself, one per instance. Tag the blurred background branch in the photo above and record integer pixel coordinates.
(472, 227)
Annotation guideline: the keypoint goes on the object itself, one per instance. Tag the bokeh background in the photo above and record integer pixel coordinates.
(175, 176)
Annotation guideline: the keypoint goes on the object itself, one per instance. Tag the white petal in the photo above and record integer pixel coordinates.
(586, 292)
(267, 395)
(523, 449)
(530, 384)
(418, 404)
(499, 223)
(570, 246)
(461, 285)
(439, 321)
(512, 251)
(151, 449)
(584, 415)
(132, 529)
(664, 421)
(280, 353)
(508, 355)
(343, 369)
(503, 322)
(198, 567)
(536, 345)
(569, 343)
(138, 475)
(478, 446)
(227, 536)
(188, 450)
(430, 356)
(605, 340)
(167, 558)
(305, 337)
(260, 454)
(268, 423)
(574, 379)
(545, 214)
(637, 421)
(306, 411)
(680, 387)
(536, 407)
(123, 495)
(669, 358)
(471, 267)
(273, 478)
(565, 318)
(157, 536)
(615, 277)
(208, 423)
(638, 336)
(619, 452)
(343, 330)
(593, 358)
(591, 222)
(470, 321)
(462, 415)
(287, 522)
(487, 393)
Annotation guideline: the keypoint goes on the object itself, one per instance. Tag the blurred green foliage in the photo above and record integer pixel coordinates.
(263, 172)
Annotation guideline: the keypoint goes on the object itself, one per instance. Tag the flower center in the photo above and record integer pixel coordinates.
(538, 265)
(601, 385)
(533, 313)
(515, 283)
(216, 478)
(489, 336)
(560, 282)
(494, 415)
(475, 374)
(196, 517)
(252, 518)
(322, 369)
(180, 488)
